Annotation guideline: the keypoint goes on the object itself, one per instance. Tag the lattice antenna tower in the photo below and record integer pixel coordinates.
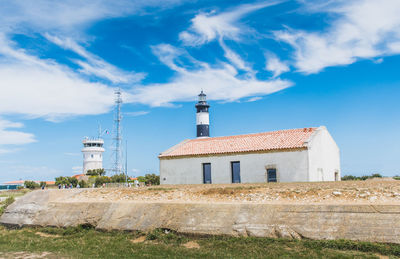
(117, 134)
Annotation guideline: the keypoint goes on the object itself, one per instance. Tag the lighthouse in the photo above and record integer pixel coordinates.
(202, 117)
(92, 154)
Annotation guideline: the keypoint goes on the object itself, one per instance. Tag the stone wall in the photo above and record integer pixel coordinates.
(376, 223)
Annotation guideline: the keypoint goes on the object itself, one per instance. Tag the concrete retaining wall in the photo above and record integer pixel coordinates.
(376, 223)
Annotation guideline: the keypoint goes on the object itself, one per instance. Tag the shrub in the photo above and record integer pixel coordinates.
(152, 179)
(118, 178)
(362, 178)
(31, 185)
(83, 184)
(102, 179)
(43, 184)
(96, 172)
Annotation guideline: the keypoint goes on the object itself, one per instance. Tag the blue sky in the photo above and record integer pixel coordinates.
(264, 65)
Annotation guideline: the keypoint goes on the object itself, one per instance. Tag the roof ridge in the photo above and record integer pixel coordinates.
(253, 134)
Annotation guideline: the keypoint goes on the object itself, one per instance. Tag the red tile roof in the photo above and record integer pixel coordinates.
(267, 141)
(78, 175)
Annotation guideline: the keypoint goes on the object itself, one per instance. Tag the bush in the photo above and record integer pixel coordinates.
(362, 178)
(152, 179)
(102, 179)
(43, 184)
(31, 185)
(83, 184)
(73, 181)
(349, 178)
(118, 178)
(96, 172)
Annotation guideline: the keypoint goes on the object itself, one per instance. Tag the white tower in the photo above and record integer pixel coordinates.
(92, 154)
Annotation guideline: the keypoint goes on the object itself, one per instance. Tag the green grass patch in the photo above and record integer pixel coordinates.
(5, 204)
(86, 242)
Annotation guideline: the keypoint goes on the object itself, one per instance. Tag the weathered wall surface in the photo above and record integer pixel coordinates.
(291, 166)
(377, 223)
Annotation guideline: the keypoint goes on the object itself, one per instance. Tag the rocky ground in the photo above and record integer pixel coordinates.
(371, 191)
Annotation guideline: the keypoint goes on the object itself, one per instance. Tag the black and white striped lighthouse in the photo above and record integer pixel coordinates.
(202, 117)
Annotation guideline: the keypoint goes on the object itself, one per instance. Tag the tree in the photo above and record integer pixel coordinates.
(101, 171)
(141, 179)
(102, 179)
(96, 172)
(62, 180)
(118, 178)
(152, 179)
(83, 184)
(43, 184)
(73, 181)
(92, 172)
(31, 185)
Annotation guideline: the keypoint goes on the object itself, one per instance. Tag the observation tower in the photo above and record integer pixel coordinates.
(92, 153)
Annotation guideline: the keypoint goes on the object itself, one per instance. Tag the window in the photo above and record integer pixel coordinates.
(336, 176)
(91, 155)
(271, 175)
(206, 173)
(235, 168)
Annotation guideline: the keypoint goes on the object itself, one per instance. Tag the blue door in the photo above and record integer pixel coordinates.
(271, 175)
(235, 172)
(207, 173)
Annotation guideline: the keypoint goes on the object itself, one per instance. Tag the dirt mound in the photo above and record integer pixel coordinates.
(376, 191)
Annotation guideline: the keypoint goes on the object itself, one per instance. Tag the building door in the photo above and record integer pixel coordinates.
(336, 176)
(271, 175)
(206, 173)
(235, 167)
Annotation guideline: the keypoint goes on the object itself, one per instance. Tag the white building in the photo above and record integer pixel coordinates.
(92, 154)
(295, 155)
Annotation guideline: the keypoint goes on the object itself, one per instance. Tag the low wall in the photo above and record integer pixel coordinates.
(375, 223)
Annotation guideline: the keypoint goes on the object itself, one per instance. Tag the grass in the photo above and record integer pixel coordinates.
(85, 242)
(5, 203)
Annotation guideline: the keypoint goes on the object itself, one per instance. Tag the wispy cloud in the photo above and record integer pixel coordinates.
(13, 137)
(137, 113)
(364, 29)
(207, 27)
(95, 65)
(220, 81)
(275, 65)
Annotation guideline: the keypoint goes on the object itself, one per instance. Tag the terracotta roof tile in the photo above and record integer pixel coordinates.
(275, 140)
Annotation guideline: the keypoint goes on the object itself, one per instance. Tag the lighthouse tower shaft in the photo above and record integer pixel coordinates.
(202, 117)
(92, 154)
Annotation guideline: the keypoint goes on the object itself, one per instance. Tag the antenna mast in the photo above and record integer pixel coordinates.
(117, 134)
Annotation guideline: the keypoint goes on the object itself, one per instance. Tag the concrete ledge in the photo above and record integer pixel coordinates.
(375, 223)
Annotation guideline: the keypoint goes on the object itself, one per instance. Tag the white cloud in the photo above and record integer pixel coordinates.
(364, 29)
(69, 16)
(94, 65)
(207, 27)
(9, 138)
(275, 65)
(220, 82)
(138, 113)
(254, 99)
(46, 88)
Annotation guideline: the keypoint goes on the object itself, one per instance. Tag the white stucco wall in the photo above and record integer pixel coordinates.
(291, 166)
(324, 156)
